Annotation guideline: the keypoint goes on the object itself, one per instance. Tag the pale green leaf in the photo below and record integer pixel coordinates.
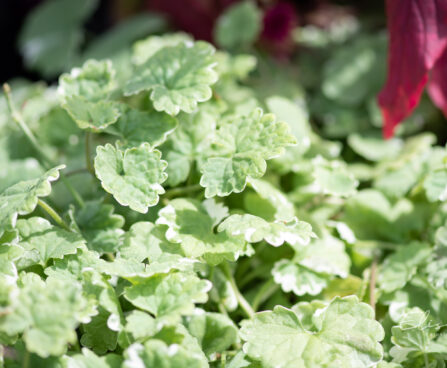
(135, 127)
(255, 229)
(375, 148)
(21, 198)
(239, 25)
(41, 241)
(144, 49)
(342, 333)
(168, 296)
(214, 332)
(155, 353)
(93, 81)
(294, 277)
(192, 227)
(401, 266)
(132, 176)
(46, 312)
(333, 178)
(178, 77)
(283, 208)
(188, 143)
(240, 148)
(88, 359)
(435, 185)
(95, 115)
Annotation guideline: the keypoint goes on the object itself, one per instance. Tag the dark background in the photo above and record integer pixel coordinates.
(109, 12)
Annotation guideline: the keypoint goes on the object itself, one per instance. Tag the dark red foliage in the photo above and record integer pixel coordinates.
(193, 16)
(279, 21)
(418, 37)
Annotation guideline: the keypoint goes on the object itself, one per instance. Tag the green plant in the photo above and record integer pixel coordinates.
(149, 211)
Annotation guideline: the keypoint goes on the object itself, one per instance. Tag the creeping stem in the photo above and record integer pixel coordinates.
(245, 306)
(46, 160)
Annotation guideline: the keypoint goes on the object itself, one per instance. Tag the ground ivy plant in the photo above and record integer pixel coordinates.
(164, 210)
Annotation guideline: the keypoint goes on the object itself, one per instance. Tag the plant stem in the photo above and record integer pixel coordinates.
(245, 306)
(427, 365)
(53, 214)
(26, 359)
(175, 192)
(372, 284)
(47, 161)
(265, 292)
(88, 153)
(17, 117)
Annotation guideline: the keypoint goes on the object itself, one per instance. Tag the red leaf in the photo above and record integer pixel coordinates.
(418, 36)
(437, 86)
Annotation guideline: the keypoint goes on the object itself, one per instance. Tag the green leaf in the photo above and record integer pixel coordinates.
(94, 115)
(239, 26)
(85, 91)
(97, 335)
(122, 35)
(41, 241)
(435, 185)
(93, 81)
(239, 150)
(375, 148)
(214, 332)
(46, 312)
(342, 332)
(187, 144)
(192, 227)
(100, 226)
(168, 296)
(353, 72)
(132, 176)
(141, 325)
(135, 127)
(256, 229)
(155, 353)
(401, 266)
(333, 178)
(282, 207)
(144, 49)
(297, 118)
(89, 359)
(416, 334)
(21, 198)
(294, 277)
(52, 34)
(178, 77)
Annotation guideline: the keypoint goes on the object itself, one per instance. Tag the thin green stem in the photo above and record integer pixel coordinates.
(427, 365)
(17, 117)
(175, 192)
(74, 193)
(53, 214)
(26, 359)
(47, 161)
(265, 292)
(88, 153)
(372, 284)
(245, 306)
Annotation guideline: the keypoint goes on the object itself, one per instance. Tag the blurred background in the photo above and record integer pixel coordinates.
(332, 53)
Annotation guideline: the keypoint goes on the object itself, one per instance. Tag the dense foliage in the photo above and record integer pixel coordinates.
(173, 206)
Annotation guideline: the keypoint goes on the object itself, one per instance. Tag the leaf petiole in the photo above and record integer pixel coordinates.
(53, 214)
(265, 292)
(245, 306)
(47, 161)
(175, 192)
